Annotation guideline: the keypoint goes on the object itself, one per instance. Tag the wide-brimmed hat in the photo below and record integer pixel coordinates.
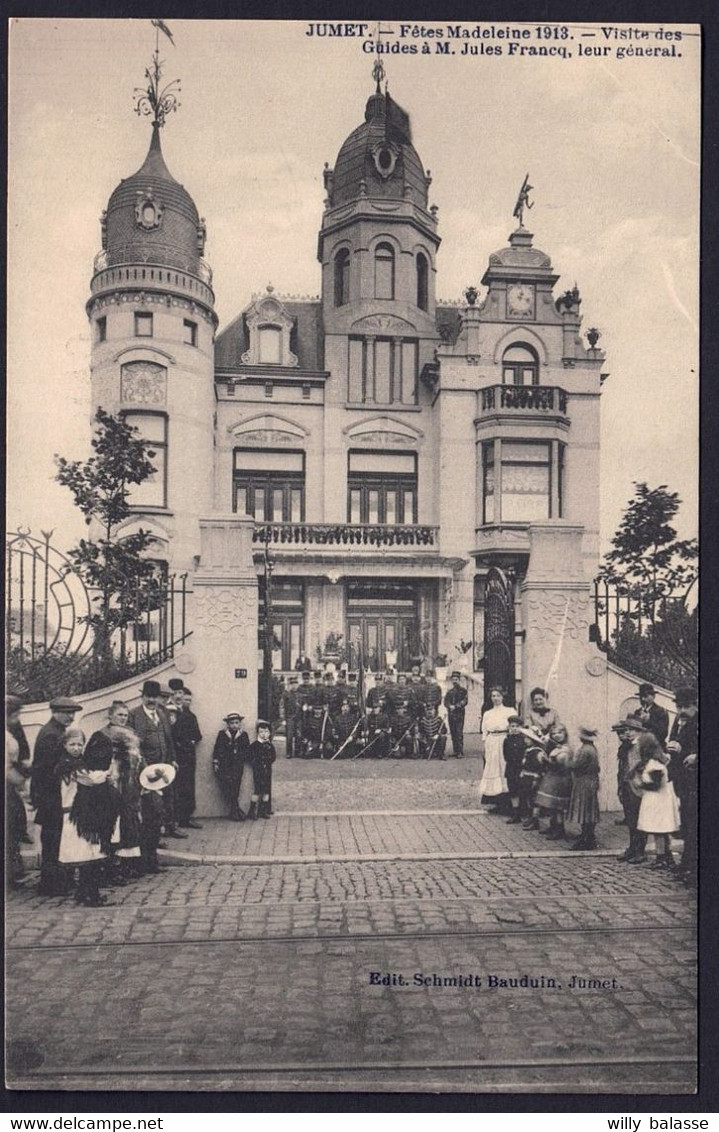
(151, 688)
(646, 690)
(456, 676)
(588, 732)
(157, 776)
(620, 725)
(632, 724)
(64, 703)
(232, 715)
(263, 723)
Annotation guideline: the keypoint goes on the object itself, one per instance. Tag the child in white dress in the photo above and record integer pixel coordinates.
(659, 808)
(77, 850)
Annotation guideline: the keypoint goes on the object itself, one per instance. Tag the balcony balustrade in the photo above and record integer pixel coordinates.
(362, 537)
(524, 399)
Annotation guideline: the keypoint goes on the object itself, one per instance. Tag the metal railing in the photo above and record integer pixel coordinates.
(524, 398)
(345, 535)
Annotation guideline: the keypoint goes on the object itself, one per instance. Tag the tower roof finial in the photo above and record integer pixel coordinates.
(523, 201)
(378, 71)
(154, 99)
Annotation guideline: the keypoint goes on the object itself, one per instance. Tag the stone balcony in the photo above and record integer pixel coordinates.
(146, 276)
(522, 400)
(340, 538)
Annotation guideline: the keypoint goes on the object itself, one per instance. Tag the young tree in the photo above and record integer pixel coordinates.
(122, 581)
(655, 571)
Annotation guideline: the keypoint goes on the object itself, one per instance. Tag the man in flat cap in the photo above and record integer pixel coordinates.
(45, 793)
(654, 717)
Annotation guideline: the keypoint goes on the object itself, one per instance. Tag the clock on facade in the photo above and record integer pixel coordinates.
(520, 300)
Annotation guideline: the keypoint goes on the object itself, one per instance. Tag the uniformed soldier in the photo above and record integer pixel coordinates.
(291, 712)
(318, 734)
(432, 734)
(378, 731)
(346, 733)
(404, 719)
(376, 693)
(456, 702)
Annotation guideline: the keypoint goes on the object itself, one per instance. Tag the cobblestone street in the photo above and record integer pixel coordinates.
(256, 960)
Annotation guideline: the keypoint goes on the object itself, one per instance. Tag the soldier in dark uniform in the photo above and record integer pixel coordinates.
(344, 725)
(432, 693)
(455, 702)
(304, 693)
(404, 718)
(45, 793)
(229, 757)
(432, 734)
(378, 730)
(317, 734)
(376, 693)
(291, 712)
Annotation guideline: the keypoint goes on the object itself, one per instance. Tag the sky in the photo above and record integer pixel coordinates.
(611, 145)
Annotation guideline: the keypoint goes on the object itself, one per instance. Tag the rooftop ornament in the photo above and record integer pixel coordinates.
(154, 99)
(523, 201)
(593, 336)
(471, 294)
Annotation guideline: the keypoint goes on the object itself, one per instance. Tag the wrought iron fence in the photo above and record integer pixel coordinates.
(652, 635)
(50, 648)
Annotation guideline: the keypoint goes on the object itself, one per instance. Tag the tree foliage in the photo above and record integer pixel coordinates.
(651, 573)
(122, 582)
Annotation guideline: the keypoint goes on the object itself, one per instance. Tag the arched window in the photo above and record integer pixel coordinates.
(520, 366)
(270, 345)
(342, 277)
(384, 272)
(422, 282)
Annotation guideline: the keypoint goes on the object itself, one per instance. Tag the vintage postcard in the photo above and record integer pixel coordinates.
(352, 682)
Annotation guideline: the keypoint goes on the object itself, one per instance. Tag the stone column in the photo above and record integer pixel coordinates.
(224, 640)
(557, 610)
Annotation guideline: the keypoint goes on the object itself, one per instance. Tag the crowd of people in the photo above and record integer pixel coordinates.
(327, 716)
(531, 772)
(105, 802)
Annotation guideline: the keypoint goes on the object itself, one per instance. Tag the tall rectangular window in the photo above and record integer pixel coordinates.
(270, 486)
(143, 324)
(526, 478)
(382, 371)
(152, 428)
(189, 332)
(101, 329)
(382, 488)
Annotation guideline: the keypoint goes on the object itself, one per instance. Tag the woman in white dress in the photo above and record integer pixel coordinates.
(76, 849)
(495, 725)
(659, 808)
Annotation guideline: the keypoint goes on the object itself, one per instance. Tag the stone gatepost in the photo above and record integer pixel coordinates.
(224, 640)
(557, 611)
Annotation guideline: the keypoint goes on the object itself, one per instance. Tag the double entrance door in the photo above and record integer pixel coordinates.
(382, 619)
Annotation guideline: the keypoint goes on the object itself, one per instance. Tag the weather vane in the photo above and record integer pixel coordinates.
(154, 99)
(523, 201)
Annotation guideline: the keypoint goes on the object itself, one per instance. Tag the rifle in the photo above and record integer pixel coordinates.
(369, 745)
(348, 740)
(401, 740)
(322, 732)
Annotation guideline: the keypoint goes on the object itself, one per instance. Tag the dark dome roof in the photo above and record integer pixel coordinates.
(356, 161)
(169, 233)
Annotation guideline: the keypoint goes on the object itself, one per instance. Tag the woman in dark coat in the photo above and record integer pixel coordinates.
(584, 801)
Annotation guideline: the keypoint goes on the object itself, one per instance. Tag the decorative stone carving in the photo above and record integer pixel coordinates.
(596, 666)
(260, 437)
(383, 324)
(384, 439)
(143, 383)
(551, 614)
(267, 429)
(148, 212)
(225, 610)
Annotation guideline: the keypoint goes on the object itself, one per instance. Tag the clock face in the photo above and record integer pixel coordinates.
(520, 300)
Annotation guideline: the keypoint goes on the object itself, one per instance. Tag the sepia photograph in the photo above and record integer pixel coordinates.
(352, 423)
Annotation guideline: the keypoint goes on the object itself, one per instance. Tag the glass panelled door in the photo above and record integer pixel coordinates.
(378, 636)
